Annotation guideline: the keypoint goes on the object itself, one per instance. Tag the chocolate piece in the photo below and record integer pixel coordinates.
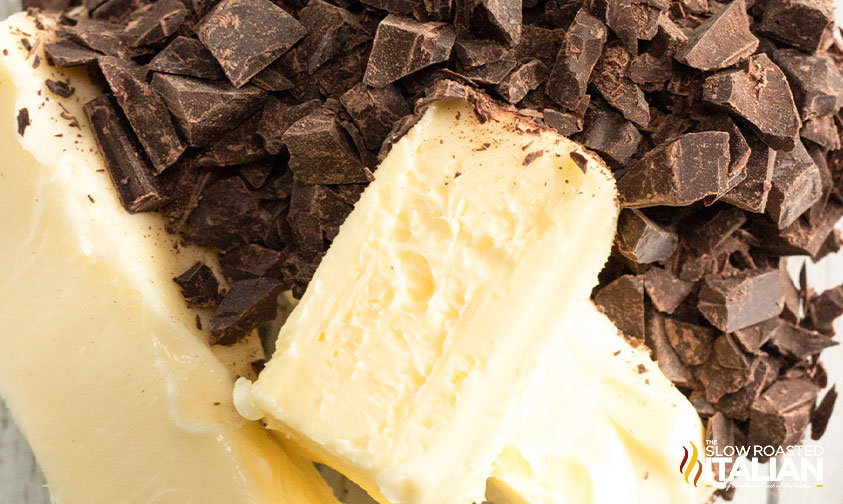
(187, 56)
(798, 342)
(721, 40)
(825, 308)
(272, 78)
(823, 132)
(66, 53)
(736, 405)
(708, 236)
(752, 192)
(404, 7)
(277, 117)
(669, 362)
(721, 432)
(248, 304)
(492, 73)
(241, 145)
(565, 123)
(321, 152)
(679, 172)
(473, 53)
(263, 32)
(571, 72)
(750, 297)
(23, 120)
(60, 88)
(623, 302)
(801, 237)
(316, 213)
(374, 111)
(203, 109)
(619, 91)
(500, 20)
(738, 147)
(718, 381)
(103, 37)
(525, 78)
(608, 133)
(123, 156)
(815, 80)
(692, 342)
(199, 286)
(228, 215)
(631, 20)
(796, 185)
(779, 417)
(541, 43)
(145, 110)
(251, 261)
(642, 240)
(665, 290)
(403, 46)
(154, 22)
(821, 415)
(703, 407)
(800, 23)
(330, 30)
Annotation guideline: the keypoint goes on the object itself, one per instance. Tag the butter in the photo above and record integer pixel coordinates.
(407, 362)
(101, 363)
(605, 427)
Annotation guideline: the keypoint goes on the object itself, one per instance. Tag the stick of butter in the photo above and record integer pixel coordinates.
(100, 361)
(406, 364)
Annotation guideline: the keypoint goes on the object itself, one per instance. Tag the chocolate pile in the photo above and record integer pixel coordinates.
(254, 125)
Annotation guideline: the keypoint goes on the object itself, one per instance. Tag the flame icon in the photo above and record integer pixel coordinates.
(686, 467)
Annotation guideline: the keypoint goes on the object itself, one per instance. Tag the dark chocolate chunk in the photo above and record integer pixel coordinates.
(500, 20)
(541, 43)
(822, 131)
(124, 158)
(623, 302)
(582, 47)
(799, 342)
(247, 35)
(796, 185)
(187, 56)
(374, 111)
(825, 308)
(665, 290)
(199, 286)
(750, 297)
(272, 78)
(492, 73)
(736, 405)
(241, 145)
(752, 192)
(704, 408)
(23, 120)
(720, 430)
(801, 237)
(321, 151)
(330, 30)
(565, 123)
(403, 46)
(522, 80)
(665, 355)
(631, 20)
(721, 40)
(692, 342)
(67, 53)
(251, 261)
(761, 95)
(718, 380)
(403, 7)
(316, 213)
(106, 38)
(738, 147)
(815, 80)
(781, 414)
(277, 117)
(248, 304)
(472, 52)
(145, 110)
(154, 22)
(60, 88)
(800, 23)
(678, 173)
(608, 133)
(708, 236)
(227, 215)
(203, 109)
(821, 415)
(618, 90)
(642, 240)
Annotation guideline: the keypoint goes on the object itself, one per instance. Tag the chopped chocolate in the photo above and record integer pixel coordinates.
(718, 381)
(525, 78)
(623, 302)
(665, 290)
(721, 40)
(825, 308)
(738, 147)
(704, 408)
(751, 338)
(665, 355)
(103, 37)
(631, 20)
(692, 342)
(145, 110)
(798, 342)
(241, 145)
(643, 240)
(256, 173)
(761, 95)
(708, 236)
(752, 192)
(492, 73)
(272, 78)
(720, 430)
(678, 173)
(750, 297)
(800, 23)
(796, 185)
(781, 414)
(608, 133)
(227, 215)
(736, 405)
(822, 131)
(203, 110)
(154, 22)
(815, 80)
(321, 151)
(247, 35)
(316, 213)
(801, 237)
(67, 53)
(565, 123)
(60, 88)
(374, 111)
(248, 304)
(187, 56)
(23, 120)
(124, 158)
(251, 261)
(199, 286)
(539, 42)
(500, 20)
(46, 5)
(403, 46)
(582, 47)
(473, 53)
(404, 7)
(330, 30)
(278, 116)
(618, 90)
(821, 415)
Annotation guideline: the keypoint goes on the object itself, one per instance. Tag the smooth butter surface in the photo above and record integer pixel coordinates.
(406, 363)
(100, 360)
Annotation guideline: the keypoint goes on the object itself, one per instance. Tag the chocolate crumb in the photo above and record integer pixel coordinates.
(23, 120)
(60, 88)
(532, 156)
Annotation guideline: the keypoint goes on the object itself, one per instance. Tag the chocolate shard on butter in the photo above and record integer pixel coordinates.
(187, 56)
(796, 185)
(152, 23)
(781, 414)
(247, 35)
(761, 95)
(752, 192)
(199, 286)
(575, 61)
(251, 261)
(815, 80)
(643, 240)
(203, 109)
(607, 132)
(67, 53)
(800, 23)
(246, 305)
(403, 46)
(124, 158)
(527, 77)
(750, 297)
(146, 111)
(721, 40)
(617, 89)
(798, 342)
(692, 342)
(678, 173)
(665, 290)
(623, 302)
(374, 111)
(60, 88)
